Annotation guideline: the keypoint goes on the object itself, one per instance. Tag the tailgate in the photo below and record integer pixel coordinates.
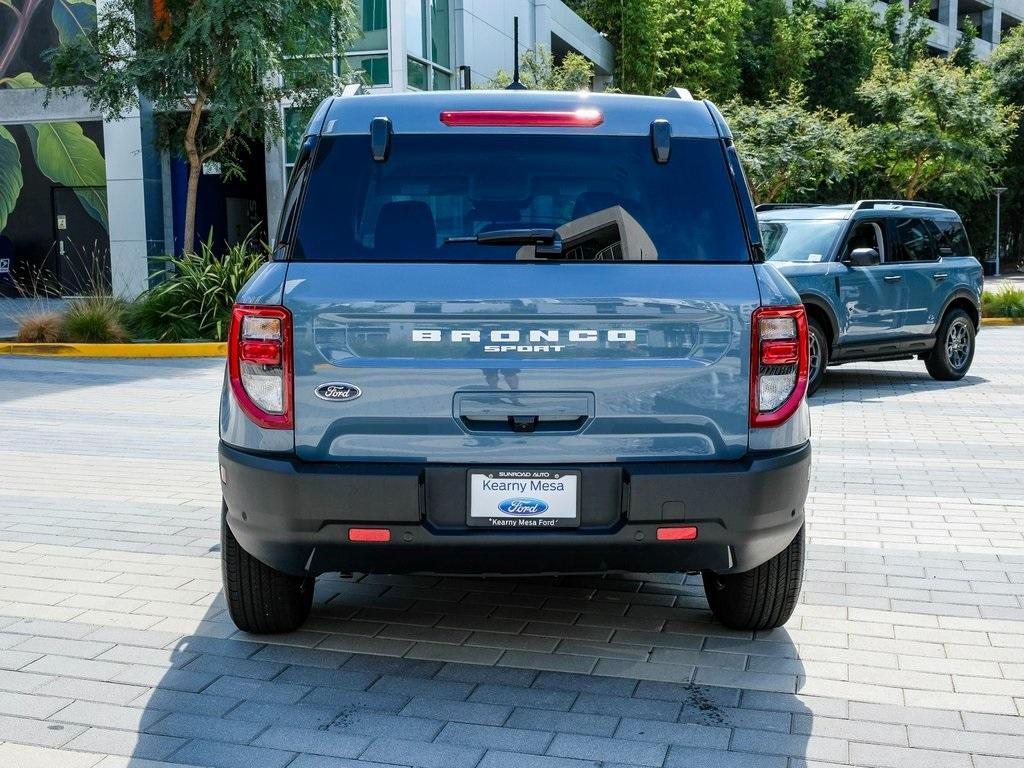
(590, 363)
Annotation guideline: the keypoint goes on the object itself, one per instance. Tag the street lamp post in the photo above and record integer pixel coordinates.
(998, 191)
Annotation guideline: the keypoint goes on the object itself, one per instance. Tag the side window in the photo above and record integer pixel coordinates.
(913, 241)
(950, 237)
(866, 234)
(291, 200)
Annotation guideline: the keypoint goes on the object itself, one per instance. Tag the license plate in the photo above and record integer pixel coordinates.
(524, 499)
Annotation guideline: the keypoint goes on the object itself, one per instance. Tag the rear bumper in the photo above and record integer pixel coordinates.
(295, 516)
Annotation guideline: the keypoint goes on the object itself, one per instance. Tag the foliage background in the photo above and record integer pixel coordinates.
(832, 103)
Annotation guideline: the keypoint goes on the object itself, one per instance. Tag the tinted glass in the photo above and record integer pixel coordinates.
(603, 198)
(913, 241)
(950, 237)
(799, 239)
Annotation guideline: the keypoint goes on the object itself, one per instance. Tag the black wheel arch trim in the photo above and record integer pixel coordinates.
(819, 303)
(960, 293)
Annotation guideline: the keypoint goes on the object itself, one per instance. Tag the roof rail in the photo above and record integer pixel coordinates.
(784, 206)
(353, 89)
(679, 93)
(864, 204)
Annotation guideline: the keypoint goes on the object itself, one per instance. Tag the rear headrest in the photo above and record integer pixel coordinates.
(405, 230)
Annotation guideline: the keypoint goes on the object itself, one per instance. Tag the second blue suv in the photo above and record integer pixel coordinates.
(881, 280)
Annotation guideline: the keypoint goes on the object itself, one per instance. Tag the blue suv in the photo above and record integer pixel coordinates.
(516, 333)
(881, 280)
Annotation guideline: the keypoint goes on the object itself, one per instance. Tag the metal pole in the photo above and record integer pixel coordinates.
(999, 197)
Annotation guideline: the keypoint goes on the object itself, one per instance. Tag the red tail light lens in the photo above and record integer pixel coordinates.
(778, 365)
(260, 364)
(580, 118)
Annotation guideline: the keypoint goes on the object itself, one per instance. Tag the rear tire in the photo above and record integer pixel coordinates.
(261, 599)
(817, 340)
(763, 597)
(953, 353)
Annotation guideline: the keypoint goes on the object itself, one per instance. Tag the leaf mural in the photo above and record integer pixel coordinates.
(73, 18)
(10, 174)
(67, 156)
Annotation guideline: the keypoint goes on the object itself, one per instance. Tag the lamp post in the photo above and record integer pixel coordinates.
(998, 191)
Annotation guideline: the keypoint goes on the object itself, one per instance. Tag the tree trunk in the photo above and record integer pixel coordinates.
(195, 168)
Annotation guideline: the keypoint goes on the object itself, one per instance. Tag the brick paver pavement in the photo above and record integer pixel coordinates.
(115, 650)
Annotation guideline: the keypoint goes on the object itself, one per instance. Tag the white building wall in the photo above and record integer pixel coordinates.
(484, 31)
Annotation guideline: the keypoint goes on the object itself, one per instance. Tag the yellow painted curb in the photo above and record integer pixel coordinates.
(154, 350)
(1002, 321)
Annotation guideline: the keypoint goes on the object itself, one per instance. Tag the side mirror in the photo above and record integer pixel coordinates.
(863, 257)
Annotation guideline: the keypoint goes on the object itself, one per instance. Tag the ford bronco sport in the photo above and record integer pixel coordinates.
(516, 333)
(881, 280)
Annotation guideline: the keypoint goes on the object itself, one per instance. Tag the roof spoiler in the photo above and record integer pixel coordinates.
(679, 93)
(867, 204)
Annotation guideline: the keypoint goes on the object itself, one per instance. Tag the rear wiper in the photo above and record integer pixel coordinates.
(548, 241)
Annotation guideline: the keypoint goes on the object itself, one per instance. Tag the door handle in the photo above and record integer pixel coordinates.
(940, 276)
(893, 278)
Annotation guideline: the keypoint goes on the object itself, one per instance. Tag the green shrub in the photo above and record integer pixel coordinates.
(1007, 302)
(40, 328)
(194, 302)
(95, 320)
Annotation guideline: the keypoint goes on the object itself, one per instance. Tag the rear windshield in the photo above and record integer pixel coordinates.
(467, 197)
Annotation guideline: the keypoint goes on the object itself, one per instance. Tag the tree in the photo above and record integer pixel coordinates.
(937, 127)
(701, 47)
(635, 29)
(1007, 64)
(908, 32)
(211, 68)
(537, 70)
(963, 53)
(776, 46)
(790, 149)
(846, 35)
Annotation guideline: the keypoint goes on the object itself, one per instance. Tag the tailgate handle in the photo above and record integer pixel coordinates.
(523, 412)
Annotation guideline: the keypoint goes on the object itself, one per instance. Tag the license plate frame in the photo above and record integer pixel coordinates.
(525, 486)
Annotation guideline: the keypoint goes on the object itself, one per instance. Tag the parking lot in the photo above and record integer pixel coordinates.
(115, 648)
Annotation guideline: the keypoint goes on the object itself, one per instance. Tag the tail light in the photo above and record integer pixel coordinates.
(779, 360)
(260, 364)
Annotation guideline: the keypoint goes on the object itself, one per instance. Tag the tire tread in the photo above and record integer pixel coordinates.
(261, 599)
(763, 597)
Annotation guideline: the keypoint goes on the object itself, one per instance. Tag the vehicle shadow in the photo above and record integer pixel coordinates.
(609, 670)
(873, 384)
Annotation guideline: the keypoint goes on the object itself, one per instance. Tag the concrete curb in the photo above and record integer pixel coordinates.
(153, 350)
(1002, 321)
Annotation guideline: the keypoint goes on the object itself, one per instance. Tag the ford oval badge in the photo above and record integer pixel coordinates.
(523, 507)
(338, 391)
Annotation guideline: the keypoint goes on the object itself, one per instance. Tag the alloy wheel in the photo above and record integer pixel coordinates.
(958, 344)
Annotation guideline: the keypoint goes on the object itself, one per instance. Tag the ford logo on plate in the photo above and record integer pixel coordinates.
(523, 506)
(338, 391)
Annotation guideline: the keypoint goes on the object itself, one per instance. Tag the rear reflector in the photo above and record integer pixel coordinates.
(684, 533)
(261, 352)
(369, 534)
(580, 118)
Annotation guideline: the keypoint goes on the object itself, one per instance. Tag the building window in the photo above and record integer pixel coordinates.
(428, 45)
(295, 122)
(373, 21)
